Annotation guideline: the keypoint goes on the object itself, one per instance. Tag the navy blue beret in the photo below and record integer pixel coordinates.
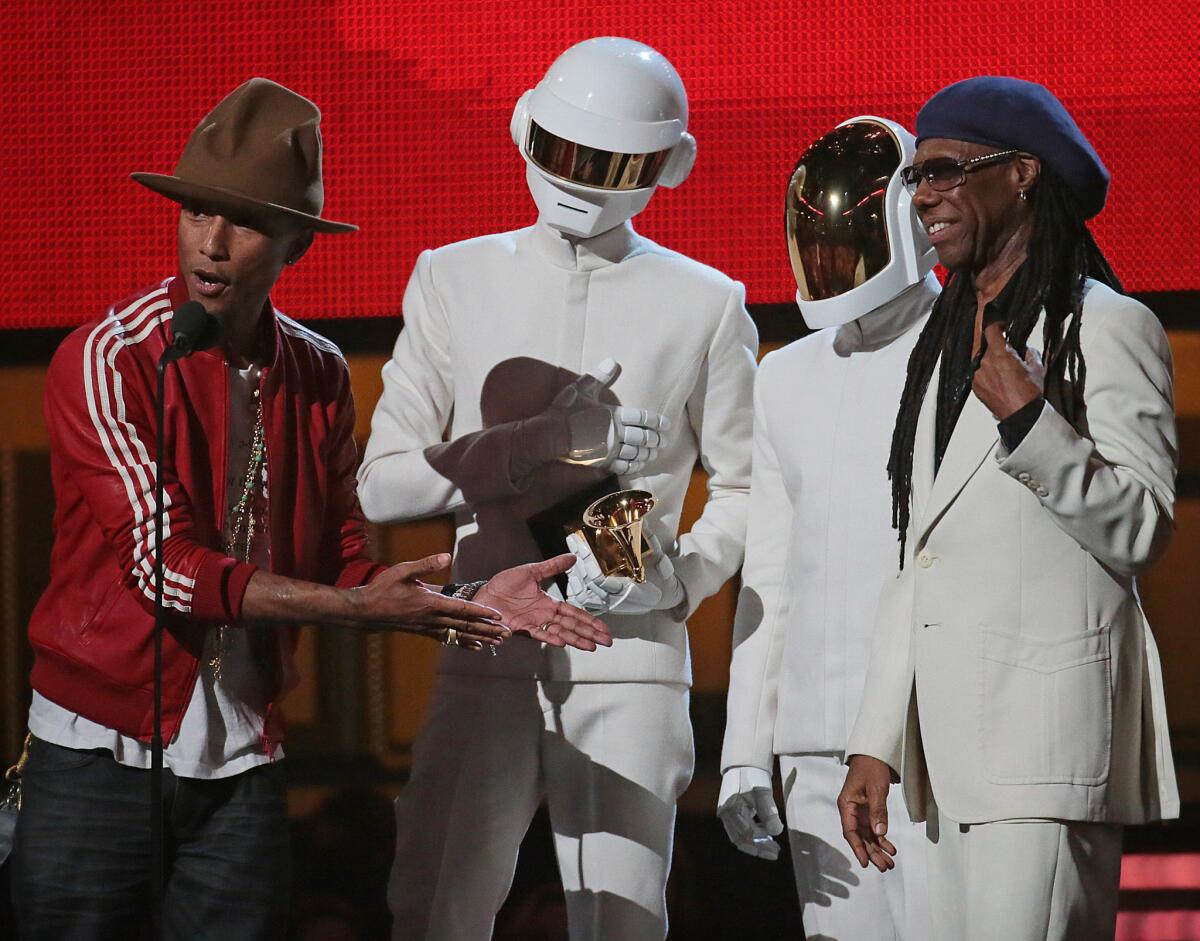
(1008, 113)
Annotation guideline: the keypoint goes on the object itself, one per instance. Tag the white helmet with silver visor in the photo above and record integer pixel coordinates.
(854, 238)
(603, 129)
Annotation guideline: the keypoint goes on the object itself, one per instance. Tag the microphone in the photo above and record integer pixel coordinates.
(194, 328)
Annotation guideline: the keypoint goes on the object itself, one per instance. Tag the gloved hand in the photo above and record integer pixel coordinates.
(597, 593)
(747, 808)
(580, 428)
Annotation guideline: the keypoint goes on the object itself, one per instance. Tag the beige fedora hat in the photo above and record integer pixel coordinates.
(258, 149)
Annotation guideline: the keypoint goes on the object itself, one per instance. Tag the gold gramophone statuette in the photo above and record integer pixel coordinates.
(613, 528)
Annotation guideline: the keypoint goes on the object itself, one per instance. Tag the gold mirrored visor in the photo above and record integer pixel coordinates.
(587, 166)
(836, 224)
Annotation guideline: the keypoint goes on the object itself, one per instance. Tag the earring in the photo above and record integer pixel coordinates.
(1023, 196)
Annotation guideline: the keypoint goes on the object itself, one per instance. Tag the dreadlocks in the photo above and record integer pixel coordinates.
(1062, 255)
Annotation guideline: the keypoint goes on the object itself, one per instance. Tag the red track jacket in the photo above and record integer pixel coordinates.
(92, 629)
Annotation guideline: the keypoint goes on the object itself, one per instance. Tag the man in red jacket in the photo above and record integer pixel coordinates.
(262, 531)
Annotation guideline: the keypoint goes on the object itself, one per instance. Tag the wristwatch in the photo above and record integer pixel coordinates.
(463, 590)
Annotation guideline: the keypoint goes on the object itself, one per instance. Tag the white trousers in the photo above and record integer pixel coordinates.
(1035, 880)
(840, 901)
(611, 760)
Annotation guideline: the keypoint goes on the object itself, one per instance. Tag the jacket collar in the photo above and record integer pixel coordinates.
(876, 329)
(974, 438)
(579, 254)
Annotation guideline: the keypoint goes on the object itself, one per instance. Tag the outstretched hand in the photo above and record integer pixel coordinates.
(524, 607)
(397, 599)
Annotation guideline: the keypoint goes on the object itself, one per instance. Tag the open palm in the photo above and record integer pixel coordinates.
(517, 594)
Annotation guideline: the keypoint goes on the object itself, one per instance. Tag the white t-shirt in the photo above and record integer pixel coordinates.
(221, 732)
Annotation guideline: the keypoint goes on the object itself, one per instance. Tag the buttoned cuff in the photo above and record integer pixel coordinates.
(1035, 461)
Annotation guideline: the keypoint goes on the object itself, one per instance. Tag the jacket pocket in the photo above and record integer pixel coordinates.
(1046, 708)
(99, 616)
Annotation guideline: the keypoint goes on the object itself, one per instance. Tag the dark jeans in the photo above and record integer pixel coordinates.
(81, 861)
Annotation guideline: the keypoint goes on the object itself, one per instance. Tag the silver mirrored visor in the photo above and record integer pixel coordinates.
(836, 223)
(588, 166)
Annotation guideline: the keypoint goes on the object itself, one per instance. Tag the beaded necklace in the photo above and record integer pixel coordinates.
(240, 541)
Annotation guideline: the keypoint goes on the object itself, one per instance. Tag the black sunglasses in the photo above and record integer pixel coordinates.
(945, 173)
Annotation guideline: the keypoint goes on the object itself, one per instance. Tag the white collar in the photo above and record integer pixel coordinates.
(879, 327)
(585, 254)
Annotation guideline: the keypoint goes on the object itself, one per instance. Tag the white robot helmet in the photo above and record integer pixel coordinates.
(854, 238)
(603, 129)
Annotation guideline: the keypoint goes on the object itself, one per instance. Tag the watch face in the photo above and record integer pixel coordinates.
(589, 166)
(836, 221)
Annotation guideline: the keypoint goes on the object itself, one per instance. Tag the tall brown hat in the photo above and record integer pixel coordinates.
(258, 149)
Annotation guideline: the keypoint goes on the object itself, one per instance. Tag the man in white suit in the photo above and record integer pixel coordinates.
(498, 333)
(818, 539)
(1014, 685)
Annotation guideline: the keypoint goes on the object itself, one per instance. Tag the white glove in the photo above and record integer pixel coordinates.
(597, 593)
(747, 808)
(579, 428)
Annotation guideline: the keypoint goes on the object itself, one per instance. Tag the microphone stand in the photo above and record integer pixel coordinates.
(193, 329)
(156, 743)
(172, 354)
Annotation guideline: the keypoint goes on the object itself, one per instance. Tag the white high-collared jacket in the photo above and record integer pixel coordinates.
(494, 327)
(1013, 673)
(819, 541)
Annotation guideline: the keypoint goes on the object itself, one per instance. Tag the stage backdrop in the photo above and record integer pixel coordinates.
(417, 98)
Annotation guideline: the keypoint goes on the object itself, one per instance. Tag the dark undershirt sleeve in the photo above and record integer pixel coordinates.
(1014, 428)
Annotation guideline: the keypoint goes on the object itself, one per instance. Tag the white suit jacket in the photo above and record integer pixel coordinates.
(819, 536)
(494, 327)
(1013, 673)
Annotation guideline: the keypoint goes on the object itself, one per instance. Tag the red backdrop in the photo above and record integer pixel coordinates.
(417, 98)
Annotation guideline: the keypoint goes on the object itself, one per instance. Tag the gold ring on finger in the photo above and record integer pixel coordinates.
(450, 638)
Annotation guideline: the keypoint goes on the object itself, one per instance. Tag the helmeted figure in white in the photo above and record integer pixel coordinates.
(489, 411)
(819, 541)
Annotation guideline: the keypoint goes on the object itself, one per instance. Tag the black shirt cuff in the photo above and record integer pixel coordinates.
(1014, 428)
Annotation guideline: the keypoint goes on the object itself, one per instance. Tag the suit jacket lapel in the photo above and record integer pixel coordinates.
(923, 447)
(974, 438)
